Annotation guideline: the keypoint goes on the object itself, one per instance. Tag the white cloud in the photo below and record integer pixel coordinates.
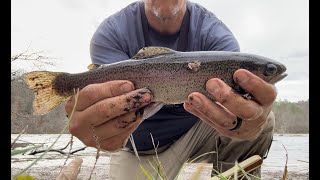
(272, 28)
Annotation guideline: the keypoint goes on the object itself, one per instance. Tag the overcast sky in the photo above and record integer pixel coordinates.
(277, 29)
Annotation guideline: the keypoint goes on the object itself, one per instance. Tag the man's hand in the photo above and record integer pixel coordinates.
(109, 109)
(228, 105)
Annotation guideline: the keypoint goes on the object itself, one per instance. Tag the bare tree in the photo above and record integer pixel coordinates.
(34, 58)
(22, 97)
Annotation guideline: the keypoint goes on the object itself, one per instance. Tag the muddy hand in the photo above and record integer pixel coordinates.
(113, 109)
(231, 114)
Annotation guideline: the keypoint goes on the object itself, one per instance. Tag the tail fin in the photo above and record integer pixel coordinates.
(46, 97)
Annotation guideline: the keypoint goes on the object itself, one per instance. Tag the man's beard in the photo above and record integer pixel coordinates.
(163, 17)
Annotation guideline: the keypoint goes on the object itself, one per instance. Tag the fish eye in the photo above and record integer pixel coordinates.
(271, 69)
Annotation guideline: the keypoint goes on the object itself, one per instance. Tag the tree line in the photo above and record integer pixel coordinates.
(291, 117)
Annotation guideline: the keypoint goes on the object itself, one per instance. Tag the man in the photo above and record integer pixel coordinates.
(233, 126)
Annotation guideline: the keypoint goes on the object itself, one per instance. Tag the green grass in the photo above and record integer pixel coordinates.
(159, 170)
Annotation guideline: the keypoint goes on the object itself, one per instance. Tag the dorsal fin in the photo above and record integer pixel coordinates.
(93, 66)
(152, 51)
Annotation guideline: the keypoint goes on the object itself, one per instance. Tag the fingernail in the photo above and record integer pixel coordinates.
(145, 94)
(213, 86)
(241, 78)
(195, 101)
(126, 87)
(146, 99)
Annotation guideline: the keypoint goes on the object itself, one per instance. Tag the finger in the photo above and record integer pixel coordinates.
(119, 140)
(86, 132)
(195, 112)
(262, 91)
(69, 106)
(204, 108)
(117, 125)
(238, 134)
(235, 103)
(110, 108)
(96, 92)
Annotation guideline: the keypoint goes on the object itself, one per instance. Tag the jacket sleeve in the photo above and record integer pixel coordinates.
(220, 38)
(105, 45)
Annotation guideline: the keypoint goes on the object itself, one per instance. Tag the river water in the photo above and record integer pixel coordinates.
(297, 146)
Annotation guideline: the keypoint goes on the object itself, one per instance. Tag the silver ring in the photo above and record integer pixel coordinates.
(238, 125)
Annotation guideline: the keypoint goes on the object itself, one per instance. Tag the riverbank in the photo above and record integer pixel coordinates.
(102, 167)
(49, 167)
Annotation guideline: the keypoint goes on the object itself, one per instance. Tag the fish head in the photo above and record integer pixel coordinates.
(270, 70)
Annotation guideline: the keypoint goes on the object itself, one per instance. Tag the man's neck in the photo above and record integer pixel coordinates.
(165, 25)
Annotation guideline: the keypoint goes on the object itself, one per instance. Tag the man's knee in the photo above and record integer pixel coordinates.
(230, 150)
(266, 136)
(270, 124)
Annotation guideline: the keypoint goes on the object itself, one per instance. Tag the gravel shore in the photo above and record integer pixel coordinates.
(50, 165)
(42, 172)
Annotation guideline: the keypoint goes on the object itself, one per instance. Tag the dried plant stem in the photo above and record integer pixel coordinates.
(96, 139)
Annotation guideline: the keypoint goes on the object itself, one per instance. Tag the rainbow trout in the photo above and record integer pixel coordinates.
(170, 75)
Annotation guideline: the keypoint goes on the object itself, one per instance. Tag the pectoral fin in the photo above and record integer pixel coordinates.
(152, 109)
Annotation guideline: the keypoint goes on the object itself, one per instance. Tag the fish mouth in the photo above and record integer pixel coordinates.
(278, 78)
